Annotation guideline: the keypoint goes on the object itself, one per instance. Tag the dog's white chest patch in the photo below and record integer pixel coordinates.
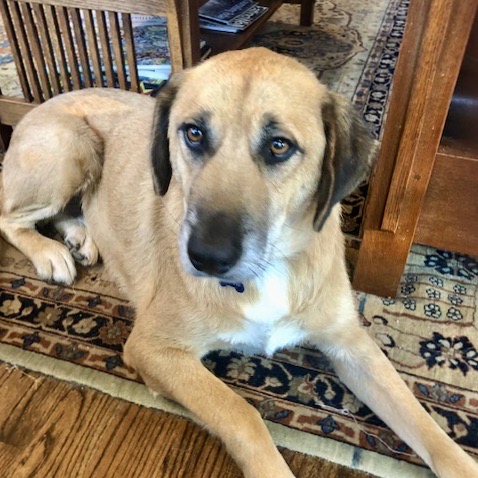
(273, 303)
(264, 330)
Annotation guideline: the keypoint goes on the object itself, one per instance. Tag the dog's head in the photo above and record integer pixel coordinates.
(260, 148)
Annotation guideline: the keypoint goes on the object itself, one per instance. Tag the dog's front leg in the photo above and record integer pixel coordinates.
(180, 375)
(363, 367)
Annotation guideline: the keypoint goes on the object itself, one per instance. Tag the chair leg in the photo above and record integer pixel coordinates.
(5, 135)
(307, 12)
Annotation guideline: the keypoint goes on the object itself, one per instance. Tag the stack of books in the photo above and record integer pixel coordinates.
(229, 16)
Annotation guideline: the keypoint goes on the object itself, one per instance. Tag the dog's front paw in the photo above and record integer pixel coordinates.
(55, 263)
(81, 245)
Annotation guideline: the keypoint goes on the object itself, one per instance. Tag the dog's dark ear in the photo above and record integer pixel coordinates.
(160, 161)
(347, 158)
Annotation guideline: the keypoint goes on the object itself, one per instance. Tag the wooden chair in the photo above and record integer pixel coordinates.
(64, 45)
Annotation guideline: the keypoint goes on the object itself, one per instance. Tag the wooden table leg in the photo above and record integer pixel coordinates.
(431, 54)
(307, 12)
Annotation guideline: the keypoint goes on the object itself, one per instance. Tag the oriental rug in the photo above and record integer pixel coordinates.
(429, 332)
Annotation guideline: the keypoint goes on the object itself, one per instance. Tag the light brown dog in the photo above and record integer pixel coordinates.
(223, 229)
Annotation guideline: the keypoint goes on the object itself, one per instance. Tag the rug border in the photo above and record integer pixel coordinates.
(331, 450)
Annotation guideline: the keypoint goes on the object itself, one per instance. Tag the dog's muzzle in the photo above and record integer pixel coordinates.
(215, 243)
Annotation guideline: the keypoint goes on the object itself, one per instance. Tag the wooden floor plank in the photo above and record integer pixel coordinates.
(50, 428)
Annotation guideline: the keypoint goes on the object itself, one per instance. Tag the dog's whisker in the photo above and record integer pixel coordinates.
(295, 228)
(254, 271)
(176, 220)
(280, 254)
(266, 265)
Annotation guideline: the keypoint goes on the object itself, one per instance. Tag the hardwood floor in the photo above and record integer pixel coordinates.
(50, 428)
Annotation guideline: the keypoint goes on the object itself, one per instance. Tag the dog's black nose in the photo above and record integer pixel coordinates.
(215, 244)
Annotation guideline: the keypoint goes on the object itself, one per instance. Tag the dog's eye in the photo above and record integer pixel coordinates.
(278, 150)
(280, 146)
(194, 135)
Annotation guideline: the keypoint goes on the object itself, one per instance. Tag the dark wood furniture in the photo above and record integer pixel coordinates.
(425, 184)
(228, 41)
(186, 12)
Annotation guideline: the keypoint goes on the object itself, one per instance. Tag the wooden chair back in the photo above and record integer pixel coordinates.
(59, 48)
